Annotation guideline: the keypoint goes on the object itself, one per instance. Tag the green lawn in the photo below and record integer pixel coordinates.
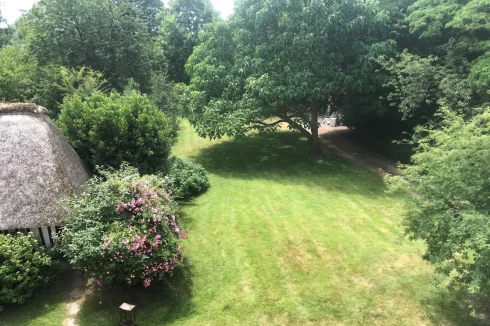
(46, 309)
(283, 238)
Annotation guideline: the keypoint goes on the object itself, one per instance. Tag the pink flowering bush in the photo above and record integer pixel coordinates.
(123, 228)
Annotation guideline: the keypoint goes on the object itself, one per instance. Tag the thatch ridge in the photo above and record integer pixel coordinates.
(21, 108)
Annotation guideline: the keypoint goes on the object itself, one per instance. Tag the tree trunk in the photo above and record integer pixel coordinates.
(312, 134)
(315, 141)
(298, 127)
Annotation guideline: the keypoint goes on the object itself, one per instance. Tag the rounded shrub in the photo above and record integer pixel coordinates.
(188, 178)
(111, 129)
(123, 228)
(24, 267)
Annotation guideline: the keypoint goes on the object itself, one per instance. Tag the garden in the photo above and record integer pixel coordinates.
(279, 238)
(176, 161)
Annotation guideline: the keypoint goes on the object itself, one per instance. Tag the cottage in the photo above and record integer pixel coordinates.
(38, 167)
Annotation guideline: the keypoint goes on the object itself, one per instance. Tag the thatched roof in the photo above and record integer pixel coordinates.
(38, 167)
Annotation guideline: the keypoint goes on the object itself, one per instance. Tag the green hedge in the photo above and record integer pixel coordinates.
(107, 130)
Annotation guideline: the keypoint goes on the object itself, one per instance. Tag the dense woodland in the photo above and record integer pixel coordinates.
(412, 77)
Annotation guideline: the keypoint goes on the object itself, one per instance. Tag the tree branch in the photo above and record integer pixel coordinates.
(265, 125)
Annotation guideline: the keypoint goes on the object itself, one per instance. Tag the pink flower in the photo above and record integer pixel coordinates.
(106, 244)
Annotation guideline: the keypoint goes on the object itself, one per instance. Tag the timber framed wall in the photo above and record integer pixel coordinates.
(43, 233)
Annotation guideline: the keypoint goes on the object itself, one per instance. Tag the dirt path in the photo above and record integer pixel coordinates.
(77, 297)
(339, 139)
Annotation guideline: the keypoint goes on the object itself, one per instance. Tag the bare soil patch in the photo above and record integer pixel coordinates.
(339, 139)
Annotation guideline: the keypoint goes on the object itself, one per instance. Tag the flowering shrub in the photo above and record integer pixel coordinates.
(123, 228)
(24, 267)
(188, 178)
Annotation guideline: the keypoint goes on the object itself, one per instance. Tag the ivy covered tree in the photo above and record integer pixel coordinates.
(281, 61)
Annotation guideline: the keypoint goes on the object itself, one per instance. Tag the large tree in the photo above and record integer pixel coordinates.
(444, 57)
(179, 33)
(447, 178)
(459, 33)
(105, 35)
(282, 62)
(150, 10)
(448, 203)
(23, 80)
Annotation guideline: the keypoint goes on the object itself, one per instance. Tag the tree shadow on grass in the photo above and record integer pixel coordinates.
(285, 157)
(458, 307)
(46, 307)
(162, 303)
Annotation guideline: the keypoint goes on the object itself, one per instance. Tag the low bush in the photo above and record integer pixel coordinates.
(188, 178)
(111, 129)
(123, 228)
(83, 82)
(24, 267)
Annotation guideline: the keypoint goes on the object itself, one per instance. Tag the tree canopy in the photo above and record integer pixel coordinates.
(108, 36)
(449, 202)
(281, 61)
(179, 33)
(465, 22)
